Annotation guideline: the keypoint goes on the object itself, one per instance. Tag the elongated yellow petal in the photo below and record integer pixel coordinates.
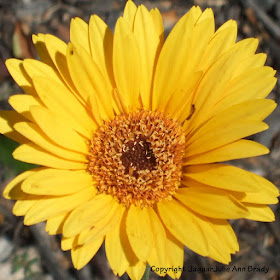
(127, 64)
(158, 255)
(64, 104)
(216, 79)
(216, 203)
(21, 207)
(101, 46)
(88, 214)
(221, 42)
(136, 270)
(40, 45)
(257, 83)
(157, 18)
(93, 87)
(38, 68)
(223, 176)
(259, 212)
(7, 120)
(81, 255)
(238, 149)
(34, 133)
(224, 135)
(194, 238)
(129, 13)
(103, 226)
(179, 39)
(55, 224)
(218, 247)
(49, 207)
(267, 193)
(22, 102)
(15, 67)
(175, 255)
(34, 154)
(61, 133)
(252, 110)
(79, 33)
(148, 43)
(57, 50)
(139, 232)
(115, 250)
(57, 182)
(13, 189)
(68, 243)
(240, 114)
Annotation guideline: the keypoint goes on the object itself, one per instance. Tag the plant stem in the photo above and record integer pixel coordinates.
(147, 273)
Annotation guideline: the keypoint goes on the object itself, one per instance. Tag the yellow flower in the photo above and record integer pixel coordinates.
(128, 130)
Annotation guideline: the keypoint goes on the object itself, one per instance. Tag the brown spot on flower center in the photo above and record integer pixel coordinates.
(137, 158)
(138, 155)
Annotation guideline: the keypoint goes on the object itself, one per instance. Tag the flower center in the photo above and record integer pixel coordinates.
(137, 158)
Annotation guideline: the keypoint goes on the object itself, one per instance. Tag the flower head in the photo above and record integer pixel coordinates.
(129, 131)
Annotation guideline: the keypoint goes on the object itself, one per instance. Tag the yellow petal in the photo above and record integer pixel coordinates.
(175, 256)
(13, 189)
(216, 79)
(32, 153)
(115, 251)
(88, 214)
(158, 255)
(92, 88)
(15, 67)
(267, 193)
(68, 243)
(57, 182)
(64, 104)
(7, 121)
(211, 202)
(223, 135)
(139, 232)
(40, 45)
(37, 68)
(46, 208)
(218, 248)
(82, 254)
(238, 116)
(103, 226)
(157, 18)
(259, 212)
(101, 46)
(127, 64)
(129, 13)
(221, 42)
(235, 150)
(136, 271)
(180, 40)
(180, 107)
(55, 224)
(223, 176)
(61, 133)
(226, 234)
(22, 102)
(148, 43)
(33, 133)
(79, 33)
(177, 218)
(255, 84)
(21, 207)
(57, 50)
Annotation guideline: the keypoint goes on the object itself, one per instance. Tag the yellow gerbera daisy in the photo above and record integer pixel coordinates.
(129, 130)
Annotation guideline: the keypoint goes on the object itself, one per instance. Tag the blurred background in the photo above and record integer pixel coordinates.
(30, 253)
